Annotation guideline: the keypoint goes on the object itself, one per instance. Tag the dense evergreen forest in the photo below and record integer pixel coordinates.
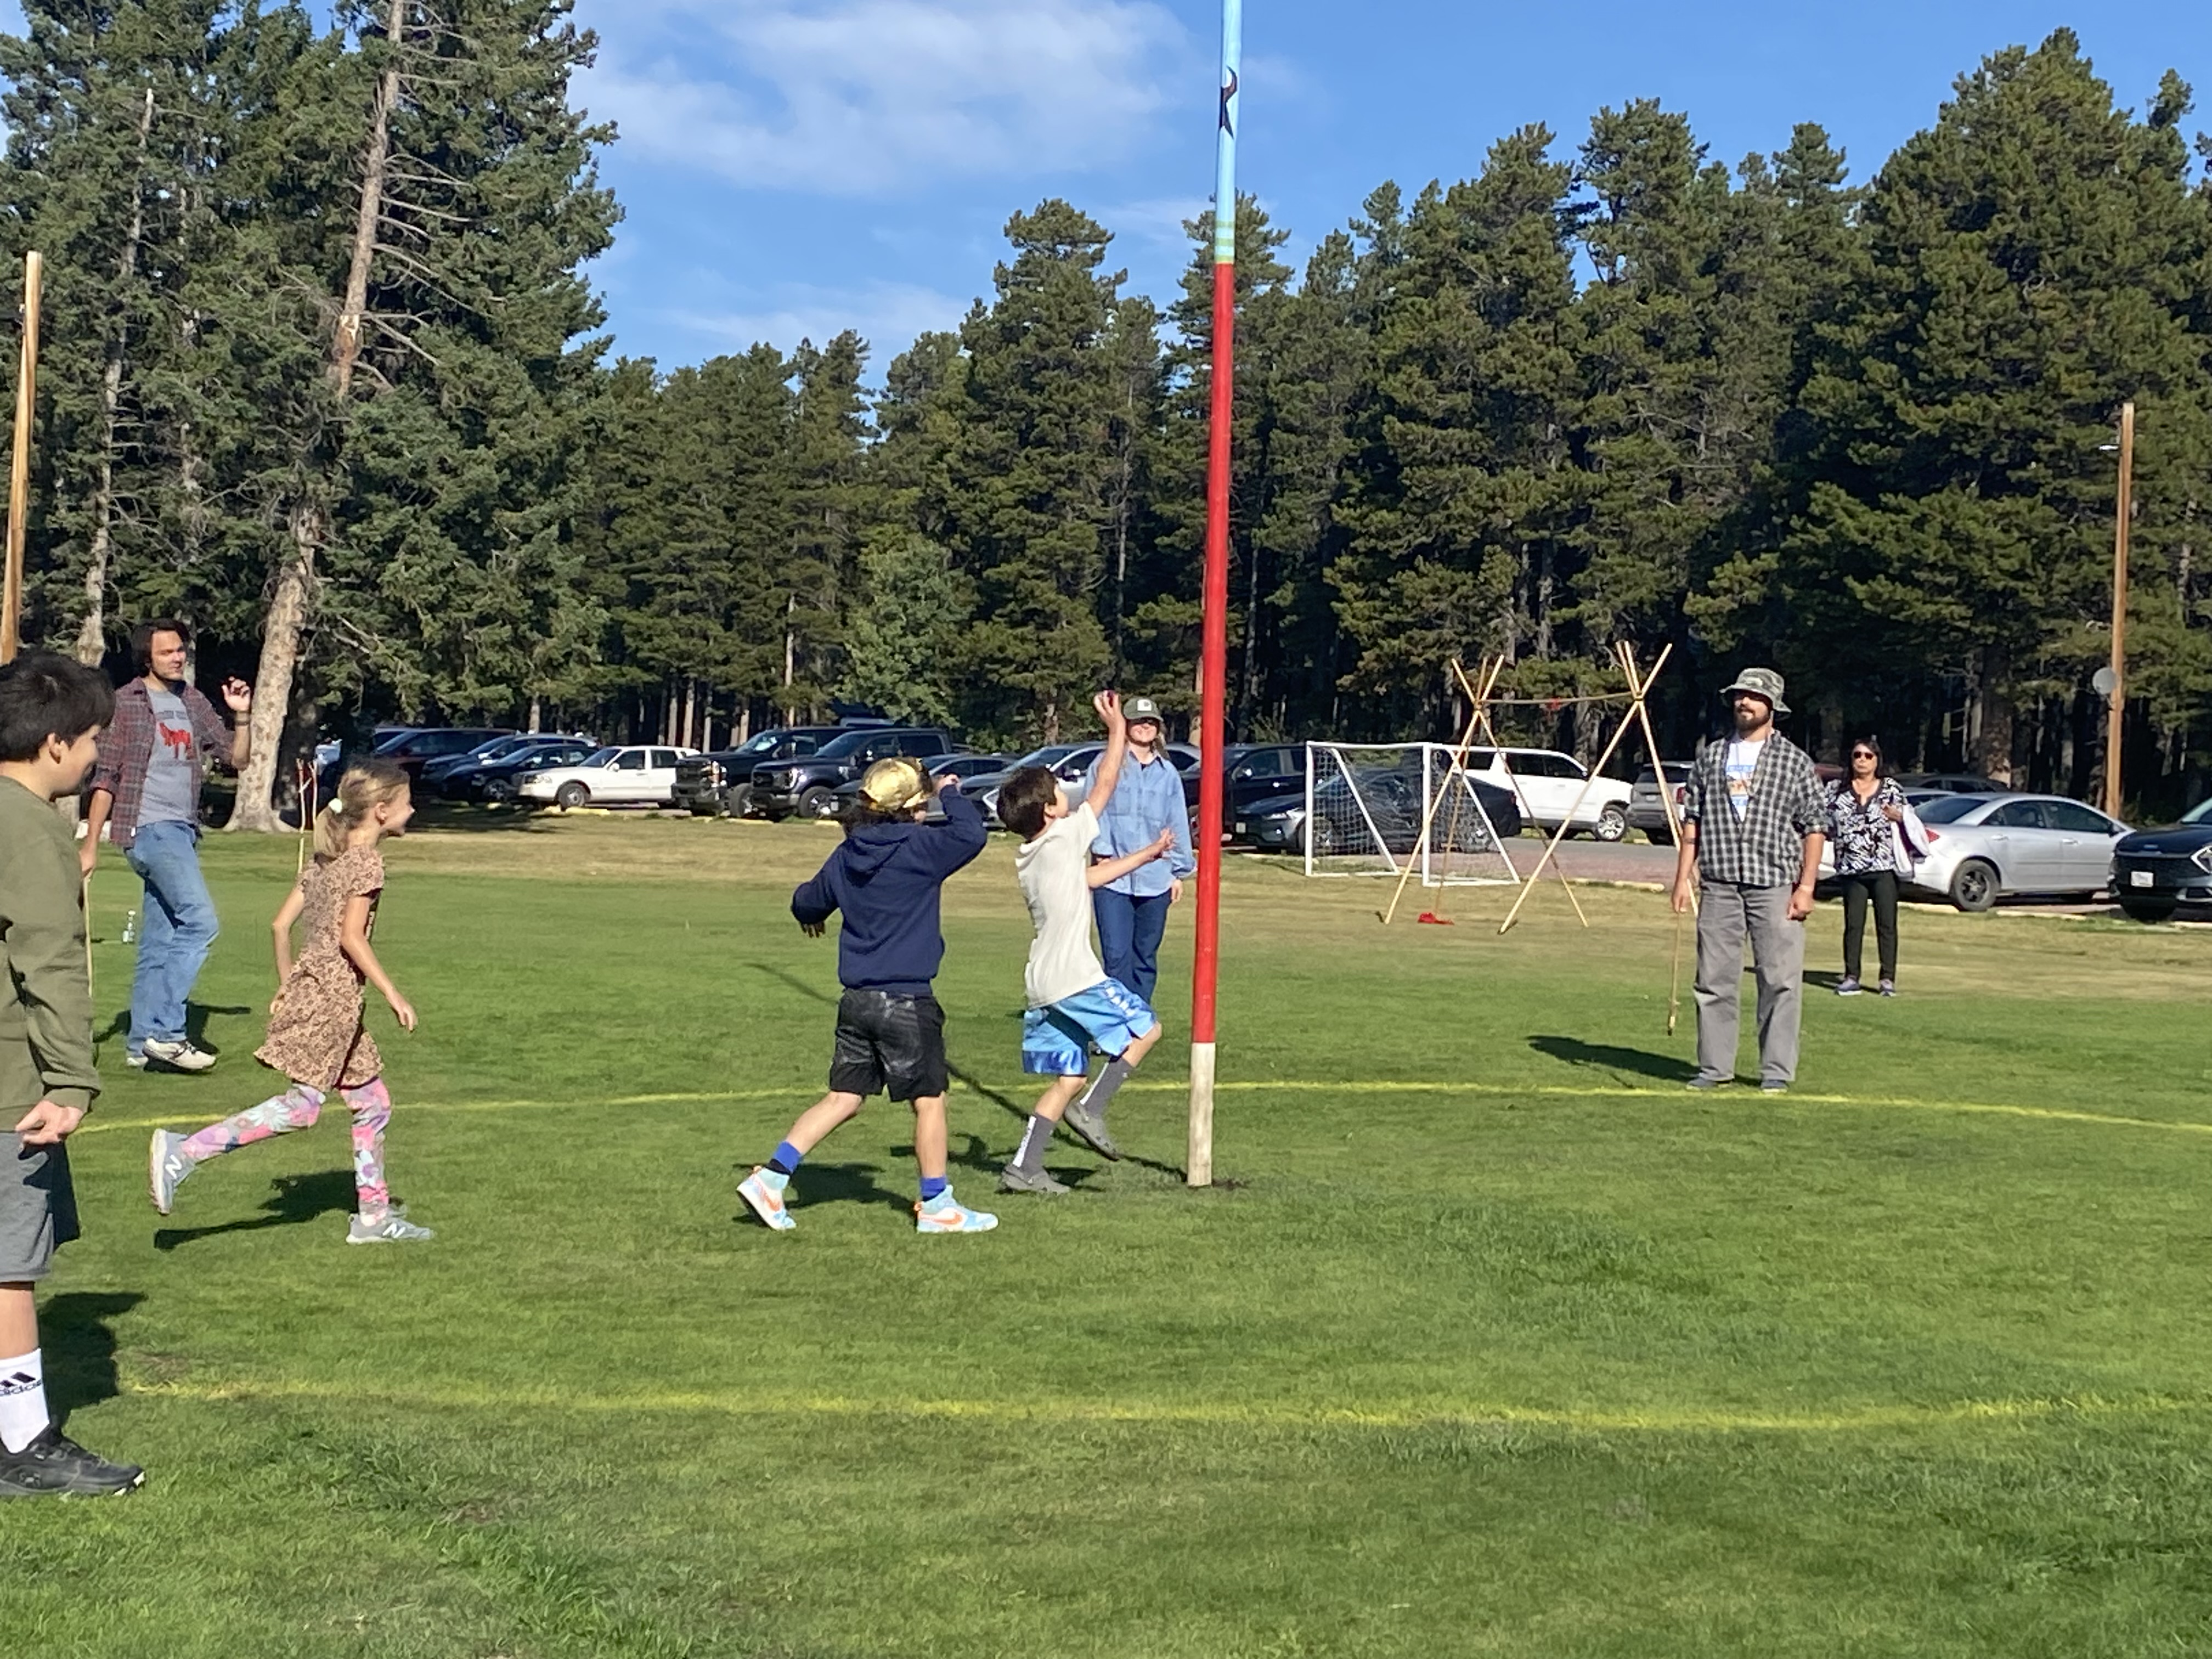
(325, 374)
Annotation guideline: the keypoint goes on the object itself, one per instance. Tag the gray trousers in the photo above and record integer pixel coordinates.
(1726, 913)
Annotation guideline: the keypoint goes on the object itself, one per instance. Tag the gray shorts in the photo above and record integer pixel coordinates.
(38, 1208)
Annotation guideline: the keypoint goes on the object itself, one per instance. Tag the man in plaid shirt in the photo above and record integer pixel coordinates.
(1753, 823)
(146, 795)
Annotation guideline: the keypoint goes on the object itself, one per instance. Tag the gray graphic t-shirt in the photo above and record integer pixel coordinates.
(170, 773)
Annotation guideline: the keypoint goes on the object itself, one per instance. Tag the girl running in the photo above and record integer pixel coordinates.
(316, 1035)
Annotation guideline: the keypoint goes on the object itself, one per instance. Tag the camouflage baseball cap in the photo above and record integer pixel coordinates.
(898, 784)
(1761, 682)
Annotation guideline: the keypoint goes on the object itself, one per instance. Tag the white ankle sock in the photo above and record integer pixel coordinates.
(23, 1400)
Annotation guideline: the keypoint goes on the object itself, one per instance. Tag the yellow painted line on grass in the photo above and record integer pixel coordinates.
(1287, 1085)
(1688, 1419)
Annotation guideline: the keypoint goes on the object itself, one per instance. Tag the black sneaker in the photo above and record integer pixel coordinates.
(1089, 1127)
(55, 1466)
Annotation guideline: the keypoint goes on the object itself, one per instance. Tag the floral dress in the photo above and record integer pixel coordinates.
(316, 1035)
(1865, 845)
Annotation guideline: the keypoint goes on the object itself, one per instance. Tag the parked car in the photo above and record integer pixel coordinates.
(2155, 870)
(1391, 798)
(493, 749)
(632, 773)
(1548, 784)
(1646, 810)
(1990, 847)
(418, 749)
(1950, 783)
(721, 780)
(963, 767)
(492, 779)
(1252, 773)
(808, 783)
(1068, 762)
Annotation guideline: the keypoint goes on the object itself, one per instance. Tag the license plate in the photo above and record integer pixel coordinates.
(2139, 878)
(1242, 828)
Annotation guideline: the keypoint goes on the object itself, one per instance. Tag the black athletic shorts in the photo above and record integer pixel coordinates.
(894, 1044)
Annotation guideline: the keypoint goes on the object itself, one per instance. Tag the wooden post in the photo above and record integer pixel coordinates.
(2116, 706)
(19, 471)
(1458, 765)
(1521, 797)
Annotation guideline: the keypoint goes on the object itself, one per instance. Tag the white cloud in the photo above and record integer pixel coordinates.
(887, 315)
(863, 97)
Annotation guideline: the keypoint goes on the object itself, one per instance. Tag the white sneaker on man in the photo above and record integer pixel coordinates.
(177, 1053)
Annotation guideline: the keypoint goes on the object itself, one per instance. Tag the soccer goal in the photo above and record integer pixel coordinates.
(1371, 808)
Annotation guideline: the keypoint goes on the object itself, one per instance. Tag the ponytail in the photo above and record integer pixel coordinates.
(365, 785)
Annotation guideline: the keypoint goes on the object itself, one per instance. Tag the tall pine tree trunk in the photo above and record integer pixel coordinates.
(309, 521)
(91, 633)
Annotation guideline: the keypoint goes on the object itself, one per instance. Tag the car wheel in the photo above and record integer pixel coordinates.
(817, 802)
(1321, 838)
(1975, 885)
(2149, 912)
(1612, 823)
(1660, 836)
(571, 794)
(498, 789)
(737, 800)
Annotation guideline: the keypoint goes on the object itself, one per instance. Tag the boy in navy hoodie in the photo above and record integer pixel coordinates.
(891, 1032)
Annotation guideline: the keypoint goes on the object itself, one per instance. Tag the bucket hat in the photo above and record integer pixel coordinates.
(1761, 682)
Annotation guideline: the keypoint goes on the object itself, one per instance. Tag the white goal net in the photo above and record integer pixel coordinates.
(1373, 807)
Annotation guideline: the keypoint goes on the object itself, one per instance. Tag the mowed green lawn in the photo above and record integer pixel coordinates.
(1491, 1340)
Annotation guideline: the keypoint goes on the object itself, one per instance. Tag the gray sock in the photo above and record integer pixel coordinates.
(1118, 1071)
(1037, 1135)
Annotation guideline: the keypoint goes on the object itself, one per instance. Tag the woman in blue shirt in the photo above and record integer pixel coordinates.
(1132, 912)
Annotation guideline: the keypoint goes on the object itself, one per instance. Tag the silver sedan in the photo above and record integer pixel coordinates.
(1992, 846)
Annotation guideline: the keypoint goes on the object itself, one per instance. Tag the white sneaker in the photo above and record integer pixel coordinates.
(390, 1228)
(179, 1055)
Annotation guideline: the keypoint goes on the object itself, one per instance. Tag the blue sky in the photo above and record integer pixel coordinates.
(793, 166)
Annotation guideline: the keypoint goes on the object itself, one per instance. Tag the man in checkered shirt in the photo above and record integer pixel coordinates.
(1753, 823)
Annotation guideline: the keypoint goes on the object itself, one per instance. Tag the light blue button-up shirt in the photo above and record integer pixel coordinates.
(1148, 799)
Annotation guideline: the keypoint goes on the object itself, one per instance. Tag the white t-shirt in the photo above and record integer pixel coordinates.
(1742, 762)
(1051, 870)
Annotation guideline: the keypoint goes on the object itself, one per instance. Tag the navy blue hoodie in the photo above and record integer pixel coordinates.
(885, 877)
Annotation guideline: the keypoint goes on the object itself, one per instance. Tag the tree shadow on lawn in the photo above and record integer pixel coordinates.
(472, 819)
(196, 1015)
(298, 1199)
(1576, 1052)
(78, 1344)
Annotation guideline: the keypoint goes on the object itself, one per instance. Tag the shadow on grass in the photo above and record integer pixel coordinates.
(78, 1345)
(966, 1079)
(482, 820)
(299, 1199)
(1576, 1052)
(835, 1183)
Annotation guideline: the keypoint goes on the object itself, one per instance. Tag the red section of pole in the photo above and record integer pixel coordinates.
(1213, 661)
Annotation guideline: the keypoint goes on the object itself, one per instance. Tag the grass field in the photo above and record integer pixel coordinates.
(1491, 1340)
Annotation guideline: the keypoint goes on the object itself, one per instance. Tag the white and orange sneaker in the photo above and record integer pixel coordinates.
(944, 1214)
(762, 1190)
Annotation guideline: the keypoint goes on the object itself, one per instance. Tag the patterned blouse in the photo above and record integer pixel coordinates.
(1864, 845)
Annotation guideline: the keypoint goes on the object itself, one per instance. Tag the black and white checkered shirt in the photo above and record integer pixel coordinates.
(1765, 847)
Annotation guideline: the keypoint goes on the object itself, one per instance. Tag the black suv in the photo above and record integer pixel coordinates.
(722, 781)
(809, 784)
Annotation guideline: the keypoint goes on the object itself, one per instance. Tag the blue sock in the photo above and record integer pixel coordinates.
(932, 1186)
(786, 1161)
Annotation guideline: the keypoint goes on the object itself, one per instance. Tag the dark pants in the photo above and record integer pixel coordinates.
(1880, 887)
(1129, 933)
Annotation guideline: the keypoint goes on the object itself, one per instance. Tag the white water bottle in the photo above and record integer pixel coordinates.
(130, 926)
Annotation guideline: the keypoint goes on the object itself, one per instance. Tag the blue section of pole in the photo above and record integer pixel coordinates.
(1224, 149)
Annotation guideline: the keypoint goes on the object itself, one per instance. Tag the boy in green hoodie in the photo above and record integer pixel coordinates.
(52, 713)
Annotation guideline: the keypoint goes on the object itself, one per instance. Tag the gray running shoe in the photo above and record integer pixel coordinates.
(1702, 1081)
(166, 1166)
(1089, 1127)
(391, 1228)
(1848, 987)
(55, 1466)
(1888, 988)
(1014, 1179)
(1773, 1085)
(177, 1053)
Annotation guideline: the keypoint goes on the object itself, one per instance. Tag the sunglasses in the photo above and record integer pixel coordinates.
(1864, 754)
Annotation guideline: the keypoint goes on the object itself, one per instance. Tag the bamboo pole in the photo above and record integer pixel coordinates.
(1642, 691)
(1429, 806)
(19, 470)
(1520, 798)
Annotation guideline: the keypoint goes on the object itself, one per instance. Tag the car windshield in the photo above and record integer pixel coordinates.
(599, 757)
(759, 744)
(846, 742)
(2200, 813)
(1051, 754)
(1950, 809)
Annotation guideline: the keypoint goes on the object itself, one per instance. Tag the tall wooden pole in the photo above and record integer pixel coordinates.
(19, 471)
(1213, 646)
(2116, 708)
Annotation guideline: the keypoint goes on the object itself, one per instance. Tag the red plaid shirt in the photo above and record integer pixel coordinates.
(126, 750)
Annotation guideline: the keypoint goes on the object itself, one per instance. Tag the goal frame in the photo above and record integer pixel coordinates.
(1437, 760)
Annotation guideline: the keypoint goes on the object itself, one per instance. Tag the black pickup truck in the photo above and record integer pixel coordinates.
(722, 782)
(808, 784)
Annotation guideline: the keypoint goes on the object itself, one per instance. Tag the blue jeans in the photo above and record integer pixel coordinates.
(1129, 933)
(174, 930)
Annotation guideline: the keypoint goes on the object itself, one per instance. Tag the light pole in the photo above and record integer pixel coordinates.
(2116, 698)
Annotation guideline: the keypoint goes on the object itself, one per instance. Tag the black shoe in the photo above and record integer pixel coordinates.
(55, 1466)
(1773, 1085)
(1704, 1081)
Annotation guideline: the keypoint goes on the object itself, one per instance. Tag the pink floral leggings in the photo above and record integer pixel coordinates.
(296, 1109)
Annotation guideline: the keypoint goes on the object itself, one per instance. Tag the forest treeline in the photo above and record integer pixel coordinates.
(325, 374)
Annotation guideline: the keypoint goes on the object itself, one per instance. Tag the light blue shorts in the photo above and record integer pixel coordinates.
(1057, 1038)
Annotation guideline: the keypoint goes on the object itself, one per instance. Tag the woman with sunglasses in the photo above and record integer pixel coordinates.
(1865, 809)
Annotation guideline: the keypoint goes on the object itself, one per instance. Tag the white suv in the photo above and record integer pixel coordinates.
(1546, 783)
(627, 772)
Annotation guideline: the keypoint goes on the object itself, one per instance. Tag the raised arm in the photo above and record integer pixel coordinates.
(1108, 776)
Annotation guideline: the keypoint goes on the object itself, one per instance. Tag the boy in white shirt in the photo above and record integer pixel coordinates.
(1073, 1004)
